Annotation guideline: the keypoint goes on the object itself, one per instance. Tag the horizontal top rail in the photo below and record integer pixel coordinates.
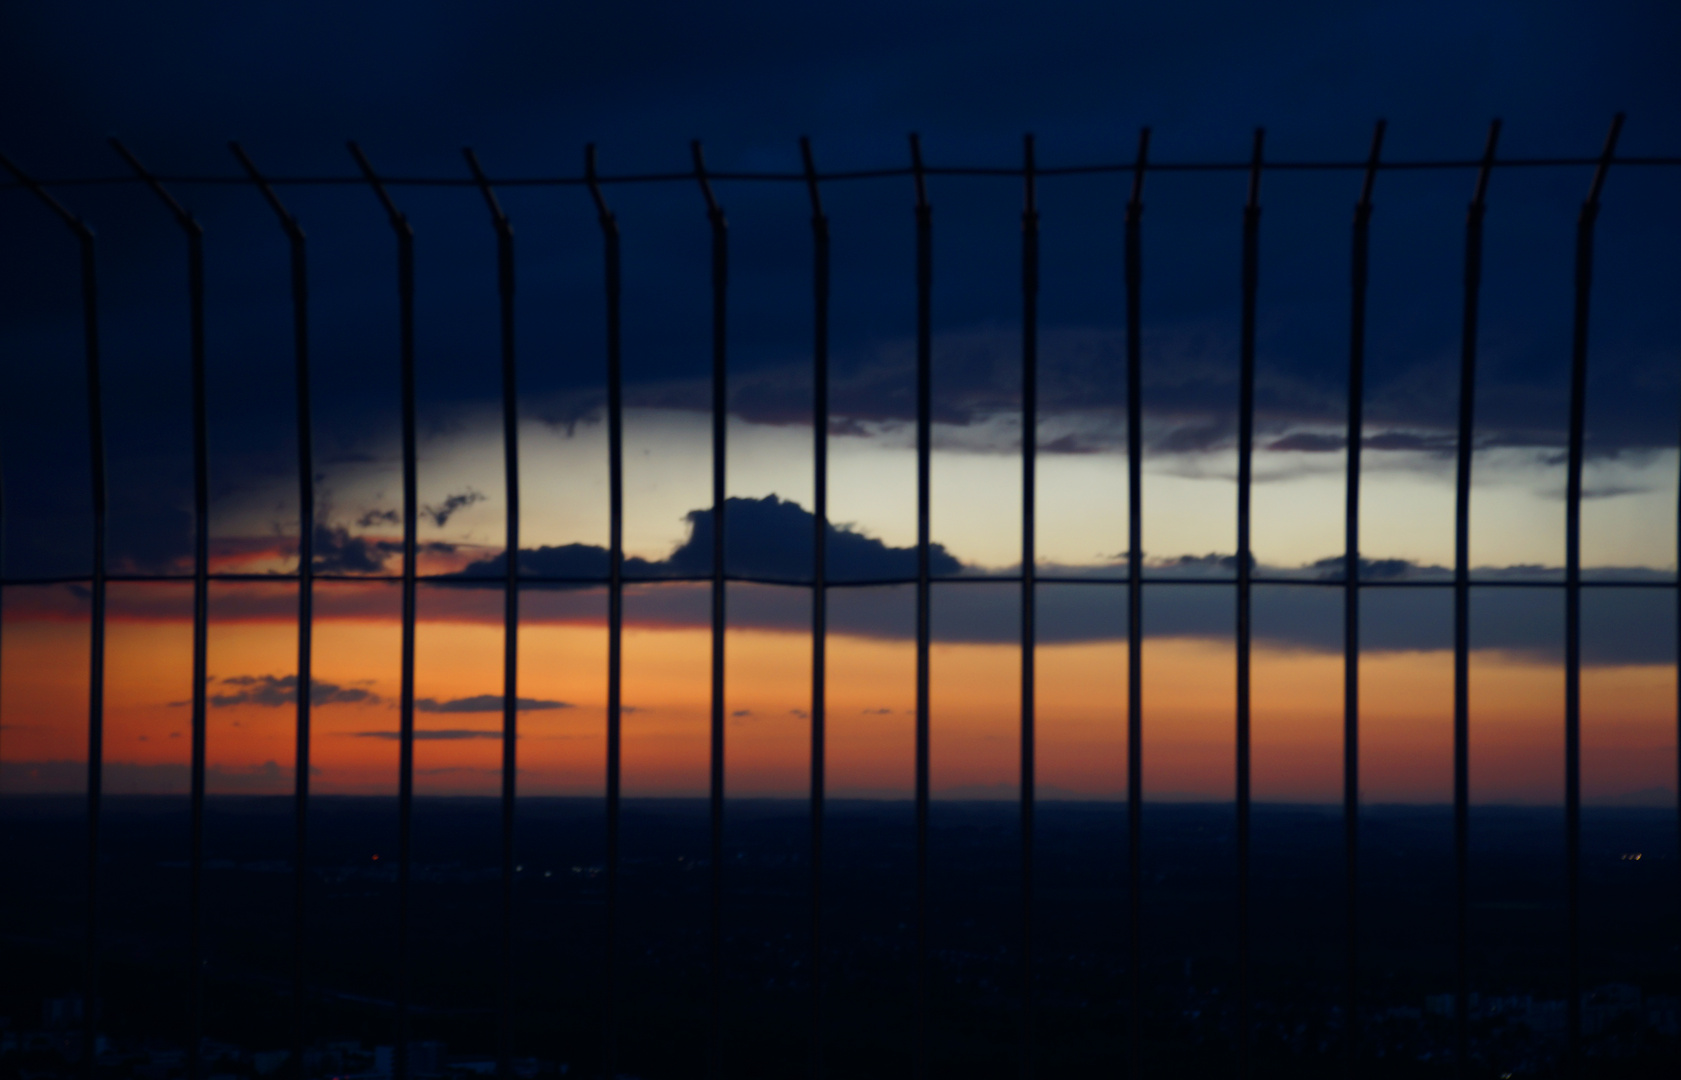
(1150, 578)
(802, 177)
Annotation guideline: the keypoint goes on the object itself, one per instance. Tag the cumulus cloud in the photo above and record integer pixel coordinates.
(772, 538)
(1213, 564)
(763, 538)
(1333, 569)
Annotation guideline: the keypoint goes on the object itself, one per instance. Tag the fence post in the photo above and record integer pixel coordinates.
(1351, 607)
(615, 603)
(405, 761)
(306, 594)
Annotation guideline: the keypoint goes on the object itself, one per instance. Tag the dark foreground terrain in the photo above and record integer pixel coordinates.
(666, 998)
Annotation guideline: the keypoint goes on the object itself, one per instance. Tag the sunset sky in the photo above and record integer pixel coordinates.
(642, 91)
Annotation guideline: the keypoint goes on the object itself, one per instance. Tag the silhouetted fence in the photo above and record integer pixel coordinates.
(389, 190)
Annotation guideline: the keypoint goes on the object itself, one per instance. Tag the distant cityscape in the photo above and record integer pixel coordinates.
(56, 1048)
(1631, 1013)
(1521, 1033)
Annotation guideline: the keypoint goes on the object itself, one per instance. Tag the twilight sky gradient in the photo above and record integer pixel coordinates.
(527, 85)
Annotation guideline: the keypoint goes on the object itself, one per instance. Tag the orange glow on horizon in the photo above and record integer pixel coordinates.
(1516, 749)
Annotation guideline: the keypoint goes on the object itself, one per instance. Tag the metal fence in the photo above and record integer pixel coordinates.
(388, 192)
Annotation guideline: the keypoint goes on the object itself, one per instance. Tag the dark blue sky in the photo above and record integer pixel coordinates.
(529, 84)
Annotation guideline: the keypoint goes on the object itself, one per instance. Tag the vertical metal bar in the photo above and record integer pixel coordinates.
(1029, 559)
(1135, 608)
(1245, 471)
(615, 606)
(201, 603)
(1462, 609)
(96, 651)
(510, 607)
(302, 762)
(2, 604)
(405, 774)
(306, 596)
(720, 424)
(924, 454)
(1573, 606)
(819, 583)
(96, 642)
(1351, 611)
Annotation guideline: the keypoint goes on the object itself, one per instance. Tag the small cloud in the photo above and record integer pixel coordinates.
(337, 552)
(801, 713)
(742, 712)
(1370, 569)
(1612, 491)
(378, 517)
(878, 712)
(1212, 562)
(276, 691)
(445, 510)
(486, 703)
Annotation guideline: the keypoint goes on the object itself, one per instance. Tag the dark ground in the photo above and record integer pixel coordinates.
(1631, 935)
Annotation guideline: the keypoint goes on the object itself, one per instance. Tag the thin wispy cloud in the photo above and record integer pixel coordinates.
(486, 703)
(442, 512)
(435, 735)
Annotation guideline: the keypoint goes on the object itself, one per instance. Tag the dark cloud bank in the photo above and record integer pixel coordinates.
(771, 538)
(529, 85)
(1518, 609)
